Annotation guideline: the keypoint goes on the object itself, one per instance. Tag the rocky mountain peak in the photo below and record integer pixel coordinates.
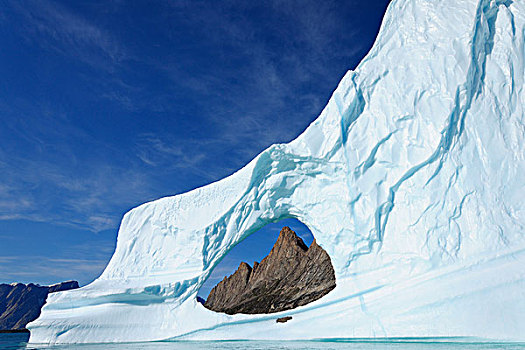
(288, 239)
(291, 275)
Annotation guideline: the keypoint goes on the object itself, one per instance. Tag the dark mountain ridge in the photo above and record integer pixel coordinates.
(21, 304)
(290, 276)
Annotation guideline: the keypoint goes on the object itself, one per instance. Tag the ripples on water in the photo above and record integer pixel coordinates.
(19, 341)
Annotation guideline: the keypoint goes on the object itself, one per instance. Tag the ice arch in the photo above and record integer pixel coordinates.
(411, 179)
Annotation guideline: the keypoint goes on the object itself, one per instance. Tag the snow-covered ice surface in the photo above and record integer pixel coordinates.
(412, 179)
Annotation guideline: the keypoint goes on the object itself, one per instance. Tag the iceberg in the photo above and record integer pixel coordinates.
(412, 179)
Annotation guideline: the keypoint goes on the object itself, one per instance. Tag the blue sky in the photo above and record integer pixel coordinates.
(105, 105)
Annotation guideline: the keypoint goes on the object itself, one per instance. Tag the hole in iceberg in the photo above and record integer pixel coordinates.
(287, 269)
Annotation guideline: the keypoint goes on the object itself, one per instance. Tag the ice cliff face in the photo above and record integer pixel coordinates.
(412, 179)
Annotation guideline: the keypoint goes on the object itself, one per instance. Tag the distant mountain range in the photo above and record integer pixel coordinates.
(21, 303)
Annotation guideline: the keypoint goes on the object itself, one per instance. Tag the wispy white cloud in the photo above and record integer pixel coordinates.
(45, 270)
(54, 27)
(82, 262)
(262, 95)
(58, 191)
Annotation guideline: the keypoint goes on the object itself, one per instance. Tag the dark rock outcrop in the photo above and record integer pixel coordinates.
(283, 319)
(21, 304)
(290, 276)
(59, 287)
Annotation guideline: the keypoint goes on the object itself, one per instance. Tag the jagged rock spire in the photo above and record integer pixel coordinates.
(291, 275)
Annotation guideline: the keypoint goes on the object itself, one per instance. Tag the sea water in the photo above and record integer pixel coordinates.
(19, 341)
